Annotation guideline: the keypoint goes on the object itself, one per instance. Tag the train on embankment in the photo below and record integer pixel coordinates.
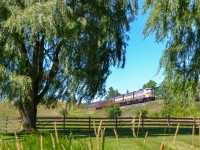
(140, 96)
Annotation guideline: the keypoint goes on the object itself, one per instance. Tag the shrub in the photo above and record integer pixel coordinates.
(113, 110)
(144, 112)
(178, 109)
(154, 114)
(194, 110)
(64, 112)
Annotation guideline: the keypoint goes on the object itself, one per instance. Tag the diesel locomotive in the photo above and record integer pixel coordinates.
(140, 96)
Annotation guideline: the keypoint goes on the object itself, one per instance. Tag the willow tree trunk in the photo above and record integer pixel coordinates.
(28, 113)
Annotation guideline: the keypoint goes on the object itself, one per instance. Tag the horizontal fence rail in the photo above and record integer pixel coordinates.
(62, 123)
(11, 124)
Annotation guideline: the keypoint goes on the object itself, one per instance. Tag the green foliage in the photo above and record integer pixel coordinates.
(153, 84)
(194, 110)
(112, 93)
(150, 84)
(167, 109)
(113, 110)
(71, 101)
(178, 109)
(2, 72)
(144, 112)
(20, 84)
(161, 92)
(64, 112)
(197, 96)
(2, 76)
(175, 109)
(54, 49)
(154, 114)
(177, 24)
(63, 47)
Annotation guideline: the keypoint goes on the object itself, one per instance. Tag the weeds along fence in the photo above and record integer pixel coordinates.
(11, 124)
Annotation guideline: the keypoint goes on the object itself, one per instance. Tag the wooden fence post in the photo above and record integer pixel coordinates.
(6, 124)
(64, 122)
(142, 124)
(89, 125)
(116, 123)
(194, 125)
(168, 124)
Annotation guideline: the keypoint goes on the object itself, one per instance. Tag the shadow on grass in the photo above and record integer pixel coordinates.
(10, 137)
(122, 133)
(126, 132)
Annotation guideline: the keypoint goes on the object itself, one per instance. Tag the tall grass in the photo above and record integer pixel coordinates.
(116, 135)
(17, 141)
(133, 128)
(139, 123)
(176, 133)
(44, 141)
(145, 138)
(100, 137)
(59, 141)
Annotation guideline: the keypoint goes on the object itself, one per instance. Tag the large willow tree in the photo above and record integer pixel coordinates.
(177, 22)
(56, 49)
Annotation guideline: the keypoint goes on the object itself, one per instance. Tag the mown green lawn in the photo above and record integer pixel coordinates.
(81, 138)
(184, 139)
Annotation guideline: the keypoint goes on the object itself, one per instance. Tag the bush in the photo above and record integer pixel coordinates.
(178, 109)
(194, 110)
(64, 112)
(154, 114)
(113, 110)
(144, 112)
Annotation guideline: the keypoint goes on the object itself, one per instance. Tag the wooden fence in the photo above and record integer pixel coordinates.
(63, 123)
(8, 124)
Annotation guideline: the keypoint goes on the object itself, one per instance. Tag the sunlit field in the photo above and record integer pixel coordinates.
(108, 139)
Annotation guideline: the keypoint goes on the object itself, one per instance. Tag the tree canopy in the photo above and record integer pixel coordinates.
(53, 49)
(178, 24)
(112, 93)
(150, 84)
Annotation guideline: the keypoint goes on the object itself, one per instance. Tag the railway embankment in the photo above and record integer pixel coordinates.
(153, 107)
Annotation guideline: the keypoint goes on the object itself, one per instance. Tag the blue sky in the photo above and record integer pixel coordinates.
(142, 60)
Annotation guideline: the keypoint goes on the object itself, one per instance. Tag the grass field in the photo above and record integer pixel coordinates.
(125, 141)
(8, 109)
(81, 139)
